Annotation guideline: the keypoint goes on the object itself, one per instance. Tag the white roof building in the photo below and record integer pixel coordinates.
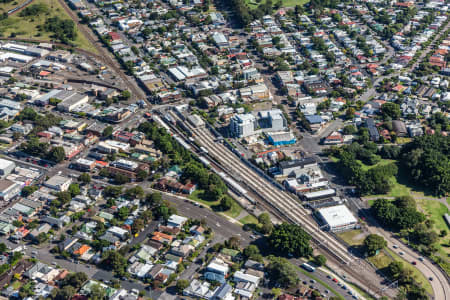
(338, 218)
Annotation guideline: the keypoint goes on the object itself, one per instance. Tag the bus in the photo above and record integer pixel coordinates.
(308, 267)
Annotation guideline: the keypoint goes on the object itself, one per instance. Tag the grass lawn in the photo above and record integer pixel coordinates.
(250, 219)
(4, 7)
(286, 3)
(234, 211)
(380, 261)
(328, 287)
(417, 274)
(199, 196)
(435, 211)
(16, 285)
(382, 162)
(352, 237)
(28, 27)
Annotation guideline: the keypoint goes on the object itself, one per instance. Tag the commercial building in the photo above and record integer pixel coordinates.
(6, 167)
(85, 165)
(243, 125)
(70, 100)
(289, 167)
(58, 183)
(272, 120)
(319, 195)
(281, 138)
(338, 218)
(9, 189)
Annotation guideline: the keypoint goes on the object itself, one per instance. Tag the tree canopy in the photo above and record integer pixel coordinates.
(282, 272)
(373, 243)
(427, 159)
(291, 239)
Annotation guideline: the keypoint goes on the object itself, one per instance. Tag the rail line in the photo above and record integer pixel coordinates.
(217, 166)
(104, 55)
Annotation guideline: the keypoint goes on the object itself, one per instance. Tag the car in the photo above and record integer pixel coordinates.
(311, 287)
(312, 281)
(414, 263)
(328, 276)
(420, 258)
(334, 279)
(254, 237)
(344, 287)
(395, 246)
(401, 253)
(54, 263)
(305, 282)
(326, 291)
(34, 252)
(430, 278)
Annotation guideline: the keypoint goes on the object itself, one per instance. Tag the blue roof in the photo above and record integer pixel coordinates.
(214, 277)
(314, 119)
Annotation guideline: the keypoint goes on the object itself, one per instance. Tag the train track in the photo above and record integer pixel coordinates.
(105, 55)
(353, 269)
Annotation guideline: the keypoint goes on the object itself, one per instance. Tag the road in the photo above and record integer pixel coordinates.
(439, 282)
(283, 204)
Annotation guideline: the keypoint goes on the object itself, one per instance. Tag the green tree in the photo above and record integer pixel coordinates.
(181, 285)
(226, 203)
(137, 226)
(74, 189)
(85, 178)
(67, 292)
(113, 191)
(75, 280)
(28, 190)
(320, 260)
(266, 224)
(125, 95)
(154, 199)
(252, 252)
(121, 179)
(108, 131)
(391, 110)
(57, 154)
(281, 271)
(350, 113)
(3, 248)
(276, 292)
(373, 243)
(114, 261)
(97, 292)
(290, 239)
(136, 192)
(64, 197)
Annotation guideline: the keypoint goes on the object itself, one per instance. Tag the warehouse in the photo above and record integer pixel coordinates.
(58, 183)
(8, 189)
(6, 167)
(338, 218)
(70, 100)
